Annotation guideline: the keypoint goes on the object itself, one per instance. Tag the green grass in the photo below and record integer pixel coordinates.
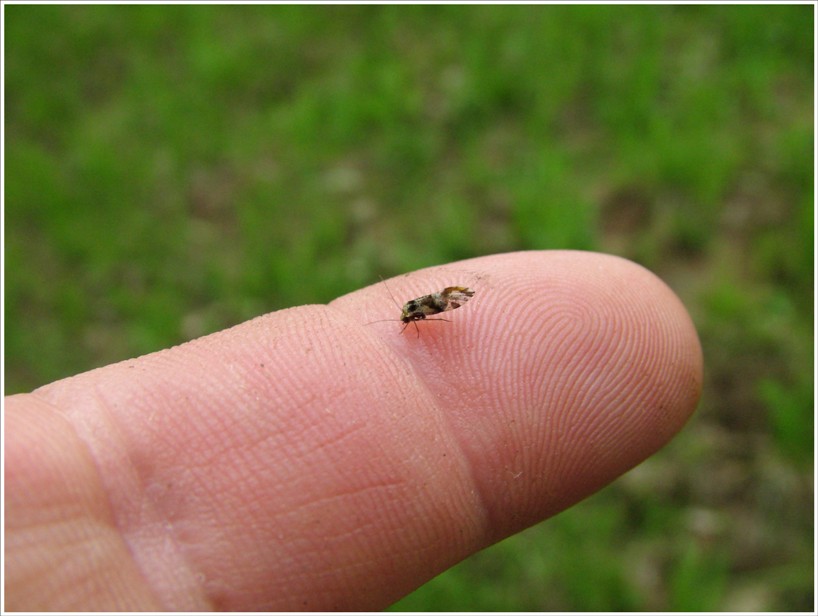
(174, 170)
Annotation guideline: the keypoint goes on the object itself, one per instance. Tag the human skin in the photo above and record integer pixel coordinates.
(307, 460)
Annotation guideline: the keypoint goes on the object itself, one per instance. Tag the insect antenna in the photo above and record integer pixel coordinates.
(394, 301)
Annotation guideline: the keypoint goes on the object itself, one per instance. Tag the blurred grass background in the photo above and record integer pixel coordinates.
(174, 170)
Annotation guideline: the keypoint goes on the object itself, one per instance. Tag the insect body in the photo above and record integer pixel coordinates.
(448, 299)
(420, 308)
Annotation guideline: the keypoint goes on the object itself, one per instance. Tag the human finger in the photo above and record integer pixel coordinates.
(306, 460)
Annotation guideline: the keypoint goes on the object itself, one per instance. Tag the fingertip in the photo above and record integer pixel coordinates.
(565, 370)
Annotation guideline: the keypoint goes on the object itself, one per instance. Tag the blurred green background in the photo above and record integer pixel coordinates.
(174, 170)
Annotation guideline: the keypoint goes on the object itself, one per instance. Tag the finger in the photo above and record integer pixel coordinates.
(305, 460)
(62, 548)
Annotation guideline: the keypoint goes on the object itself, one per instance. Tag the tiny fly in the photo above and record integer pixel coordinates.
(420, 308)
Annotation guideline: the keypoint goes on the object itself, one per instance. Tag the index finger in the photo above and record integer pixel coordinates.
(588, 359)
(307, 460)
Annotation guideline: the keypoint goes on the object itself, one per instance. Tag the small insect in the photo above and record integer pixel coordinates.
(420, 308)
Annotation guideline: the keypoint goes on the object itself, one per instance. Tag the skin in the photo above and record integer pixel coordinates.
(307, 461)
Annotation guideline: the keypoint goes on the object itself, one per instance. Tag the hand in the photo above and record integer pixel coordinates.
(305, 460)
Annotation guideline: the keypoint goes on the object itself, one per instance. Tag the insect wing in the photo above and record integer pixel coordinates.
(456, 296)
